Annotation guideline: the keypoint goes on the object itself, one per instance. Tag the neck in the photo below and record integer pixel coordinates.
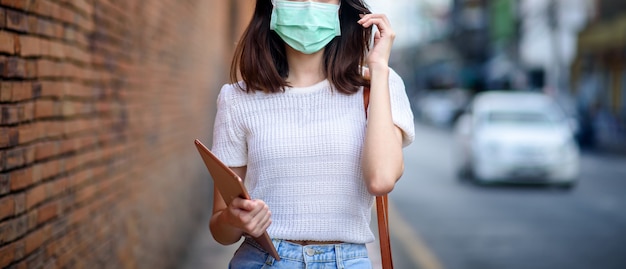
(304, 69)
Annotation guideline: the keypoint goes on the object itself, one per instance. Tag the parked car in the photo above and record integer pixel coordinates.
(516, 136)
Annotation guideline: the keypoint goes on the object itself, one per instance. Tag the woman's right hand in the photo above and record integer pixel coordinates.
(250, 216)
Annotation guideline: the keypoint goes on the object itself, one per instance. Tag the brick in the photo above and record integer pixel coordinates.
(31, 5)
(17, 46)
(58, 186)
(67, 109)
(32, 216)
(52, 89)
(34, 240)
(35, 196)
(3, 160)
(6, 42)
(46, 68)
(78, 216)
(50, 264)
(45, 109)
(36, 88)
(46, 150)
(9, 114)
(14, 67)
(45, 8)
(19, 250)
(29, 132)
(3, 66)
(30, 67)
(30, 46)
(84, 7)
(13, 137)
(70, 145)
(29, 155)
(20, 203)
(16, 20)
(56, 49)
(67, 15)
(21, 91)
(5, 184)
(3, 17)
(51, 169)
(18, 4)
(32, 23)
(14, 158)
(7, 207)
(47, 212)
(8, 230)
(6, 88)
(45, 27)
(53, 129)
(21, 178)
(7, 255)
(27, 111)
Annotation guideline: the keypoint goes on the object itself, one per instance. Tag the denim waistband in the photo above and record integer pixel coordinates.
(315, 253)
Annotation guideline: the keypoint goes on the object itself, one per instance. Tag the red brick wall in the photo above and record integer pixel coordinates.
(100, 101)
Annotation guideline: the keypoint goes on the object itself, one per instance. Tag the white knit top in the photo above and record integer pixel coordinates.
(303, 152)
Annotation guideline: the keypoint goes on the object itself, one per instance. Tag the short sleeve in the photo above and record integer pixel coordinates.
(401, 108)
(229, 140)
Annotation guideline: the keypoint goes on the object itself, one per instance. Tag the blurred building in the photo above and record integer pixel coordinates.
(100, 102)
(526, 44)
(599, 76)
(470, 36)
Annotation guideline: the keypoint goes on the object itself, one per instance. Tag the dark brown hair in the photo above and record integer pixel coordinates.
(261, 60)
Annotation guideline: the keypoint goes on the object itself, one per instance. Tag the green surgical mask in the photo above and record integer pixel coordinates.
(304, 25)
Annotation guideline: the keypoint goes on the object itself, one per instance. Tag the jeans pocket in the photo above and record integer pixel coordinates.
(248, 257)
(358, 263)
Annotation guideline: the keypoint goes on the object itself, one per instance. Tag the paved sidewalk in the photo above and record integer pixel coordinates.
(205, 253)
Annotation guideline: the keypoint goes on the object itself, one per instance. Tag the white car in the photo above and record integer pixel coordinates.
(516, 136)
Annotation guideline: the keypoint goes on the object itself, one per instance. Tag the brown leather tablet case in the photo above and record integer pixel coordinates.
(230, 186)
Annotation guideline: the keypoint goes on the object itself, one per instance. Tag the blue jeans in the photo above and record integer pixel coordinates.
(250, 255)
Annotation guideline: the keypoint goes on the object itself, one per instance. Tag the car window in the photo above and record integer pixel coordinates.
(519, 117)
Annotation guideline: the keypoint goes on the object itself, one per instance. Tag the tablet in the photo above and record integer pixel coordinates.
(230, 186)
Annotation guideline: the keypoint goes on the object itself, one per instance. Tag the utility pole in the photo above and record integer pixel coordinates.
(553, 20)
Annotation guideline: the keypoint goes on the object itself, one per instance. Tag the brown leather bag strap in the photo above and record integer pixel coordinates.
(382, 210)
(366, 99)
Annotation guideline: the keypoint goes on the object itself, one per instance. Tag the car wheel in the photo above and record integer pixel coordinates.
(463, 173)
(566, 185)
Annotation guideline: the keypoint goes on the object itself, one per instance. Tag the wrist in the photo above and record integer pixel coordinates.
(378, 68)
(227, 222)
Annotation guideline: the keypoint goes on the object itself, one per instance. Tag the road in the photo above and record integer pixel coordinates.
(443, 222)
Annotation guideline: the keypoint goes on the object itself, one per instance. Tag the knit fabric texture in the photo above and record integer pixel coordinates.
(302, 149)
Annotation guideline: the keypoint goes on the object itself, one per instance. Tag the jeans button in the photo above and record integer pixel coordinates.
(310, 251)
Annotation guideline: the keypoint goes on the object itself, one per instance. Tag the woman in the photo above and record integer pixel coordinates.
(295, 129)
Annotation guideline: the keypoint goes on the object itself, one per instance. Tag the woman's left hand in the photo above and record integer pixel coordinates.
(383, 38)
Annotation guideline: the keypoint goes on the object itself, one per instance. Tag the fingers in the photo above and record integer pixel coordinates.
(243, 204)
(380, 20)
(262, 222)
(251, 216)
(366, 73)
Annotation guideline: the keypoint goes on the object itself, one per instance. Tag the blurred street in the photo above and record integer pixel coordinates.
(466, 225)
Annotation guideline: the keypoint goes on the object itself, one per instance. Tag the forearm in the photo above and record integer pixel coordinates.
(223, 232)
(382, 150)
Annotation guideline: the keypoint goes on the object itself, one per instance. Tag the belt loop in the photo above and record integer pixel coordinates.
(270, 260)
(338, 256)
